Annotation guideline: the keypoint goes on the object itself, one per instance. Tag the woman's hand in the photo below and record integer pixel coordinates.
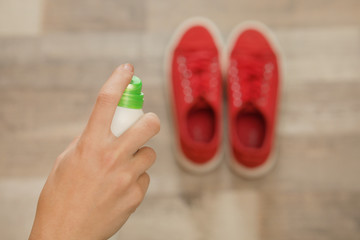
(99, 180)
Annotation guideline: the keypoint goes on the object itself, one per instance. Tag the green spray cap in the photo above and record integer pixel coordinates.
(132, 97)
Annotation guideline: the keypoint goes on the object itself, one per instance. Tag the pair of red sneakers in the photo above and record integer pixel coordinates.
(196, 65)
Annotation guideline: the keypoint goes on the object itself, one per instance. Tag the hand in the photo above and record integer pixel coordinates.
(99, 180)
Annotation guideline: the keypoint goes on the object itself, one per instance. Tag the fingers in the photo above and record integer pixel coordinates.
(143, 160)
(107, 100)
(139, 133)
(144, 181)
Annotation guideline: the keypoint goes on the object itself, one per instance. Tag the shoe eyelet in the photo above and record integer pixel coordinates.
(181, 60)
(188, 98)
(237, 103)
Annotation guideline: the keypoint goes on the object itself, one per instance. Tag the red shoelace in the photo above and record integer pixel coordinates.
(198, 71)
(249, 77)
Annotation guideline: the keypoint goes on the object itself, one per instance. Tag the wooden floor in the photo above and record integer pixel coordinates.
(54, 56)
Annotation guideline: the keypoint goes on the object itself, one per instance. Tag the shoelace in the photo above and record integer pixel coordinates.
(198, 65)
(250, 73)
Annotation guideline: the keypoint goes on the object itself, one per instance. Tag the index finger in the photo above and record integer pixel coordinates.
(107, 100)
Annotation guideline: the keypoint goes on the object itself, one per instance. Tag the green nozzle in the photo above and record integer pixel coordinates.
(132, 96)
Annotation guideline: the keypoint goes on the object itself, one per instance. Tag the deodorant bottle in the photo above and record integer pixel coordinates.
(129, 108)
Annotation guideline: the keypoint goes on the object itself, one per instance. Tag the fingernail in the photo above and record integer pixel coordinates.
(127, 67)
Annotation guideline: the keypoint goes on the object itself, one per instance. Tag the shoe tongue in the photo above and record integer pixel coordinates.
(250, 108)
(201, 103)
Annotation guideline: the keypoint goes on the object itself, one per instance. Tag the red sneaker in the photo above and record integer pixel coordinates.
(194, 84)
(253, 87)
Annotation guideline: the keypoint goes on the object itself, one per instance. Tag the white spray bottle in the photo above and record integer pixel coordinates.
(129, 109)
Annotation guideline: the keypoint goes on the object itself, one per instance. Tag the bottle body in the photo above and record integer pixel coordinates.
(124, 118)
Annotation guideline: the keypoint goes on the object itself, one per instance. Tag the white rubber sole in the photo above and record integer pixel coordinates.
(241, 170)
(182, 160)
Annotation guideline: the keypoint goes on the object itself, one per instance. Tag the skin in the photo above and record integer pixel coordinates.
(99, 180)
